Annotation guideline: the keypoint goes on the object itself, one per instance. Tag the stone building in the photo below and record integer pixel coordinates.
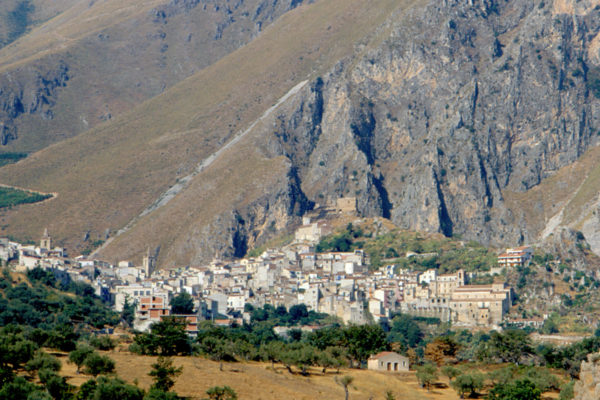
(388, 361)
(480, 305)
(432, 297)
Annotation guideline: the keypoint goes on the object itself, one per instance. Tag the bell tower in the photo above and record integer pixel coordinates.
(148, 263)
(46, 241)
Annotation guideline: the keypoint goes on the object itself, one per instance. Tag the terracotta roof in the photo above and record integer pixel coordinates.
(383, 354)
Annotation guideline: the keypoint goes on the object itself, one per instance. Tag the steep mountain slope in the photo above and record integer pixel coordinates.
(96, 60)
(446, 116)
(434, 126)
(108, 175)
(19, 16)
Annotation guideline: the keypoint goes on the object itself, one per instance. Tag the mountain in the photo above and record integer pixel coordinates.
(95, 59)
(17, 17)
(469, 117)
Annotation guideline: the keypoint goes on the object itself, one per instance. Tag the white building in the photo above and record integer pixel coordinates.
(388, 361)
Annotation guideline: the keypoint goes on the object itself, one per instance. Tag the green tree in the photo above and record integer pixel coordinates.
(43, 361)
(86, 390)
(515, 390)
(128, 313)
(19, 389)
(345, 381)
(79, 355)
(332, 357)
(166, 338)
(95, 364)
(63, 337)
(221, 393)
(163, 374)
(551, 324)
(182, 304)
(297, 312)
(115, 388)
(272, 352)
(451, 372)
(244, 350)
(156, 394)
(567, 391)
(56, 385)
(300, 355)
(102, 342)
(405, 330)
(364, 340)
(503, 375)
(426, 375)
(468, 383)
(542, 378)
(15, 350)
(510, 346)
(171, 336)
(217, 349)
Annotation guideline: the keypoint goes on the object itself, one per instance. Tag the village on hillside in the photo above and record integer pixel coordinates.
(340, 284)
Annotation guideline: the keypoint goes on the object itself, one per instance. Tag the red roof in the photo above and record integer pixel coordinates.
(382, 354)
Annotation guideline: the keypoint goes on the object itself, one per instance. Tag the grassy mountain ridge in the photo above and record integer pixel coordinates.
(17, 17)
(97, 60)
(109, 174)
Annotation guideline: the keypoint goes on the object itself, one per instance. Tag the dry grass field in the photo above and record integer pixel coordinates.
(255, 381)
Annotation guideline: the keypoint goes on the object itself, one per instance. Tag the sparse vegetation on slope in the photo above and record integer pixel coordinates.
(413, 250)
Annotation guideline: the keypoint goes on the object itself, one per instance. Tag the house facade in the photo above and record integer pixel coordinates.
(388, 361)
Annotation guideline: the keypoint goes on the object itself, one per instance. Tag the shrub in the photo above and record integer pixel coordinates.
(102, 342)
(95, 364)
(427, 375)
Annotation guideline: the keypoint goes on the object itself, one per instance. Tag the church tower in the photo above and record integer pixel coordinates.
(46, 241)
(148, 263)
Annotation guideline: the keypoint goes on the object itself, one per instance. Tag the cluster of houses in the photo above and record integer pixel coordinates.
(337, 283)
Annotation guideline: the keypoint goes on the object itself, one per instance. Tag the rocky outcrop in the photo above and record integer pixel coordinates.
(567, 244)
(588, 386)
(35, 94)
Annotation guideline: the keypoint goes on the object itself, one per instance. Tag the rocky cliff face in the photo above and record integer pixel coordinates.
(588, 386)
(462, 102)
(35, 93)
